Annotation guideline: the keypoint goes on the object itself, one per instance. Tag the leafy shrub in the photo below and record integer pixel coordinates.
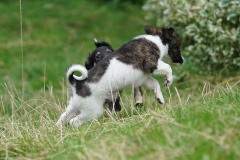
(122, 2)
(209, 30)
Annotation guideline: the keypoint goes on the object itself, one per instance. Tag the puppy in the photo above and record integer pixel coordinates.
(131, 64)
(103, 49)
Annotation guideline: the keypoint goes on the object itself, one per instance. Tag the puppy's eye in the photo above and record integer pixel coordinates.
(98, 56)
(109, 51)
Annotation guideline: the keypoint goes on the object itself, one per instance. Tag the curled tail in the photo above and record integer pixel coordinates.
(76, 68)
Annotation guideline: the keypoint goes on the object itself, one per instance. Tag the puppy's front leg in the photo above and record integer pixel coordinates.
(153, 84)
(90, 113)
(82, 118)
(166, 70)
(66, 116)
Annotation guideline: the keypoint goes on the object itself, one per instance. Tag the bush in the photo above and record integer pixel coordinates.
(210, 30)
(119, 3)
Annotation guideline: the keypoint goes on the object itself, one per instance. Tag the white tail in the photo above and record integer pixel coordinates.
(77, 68)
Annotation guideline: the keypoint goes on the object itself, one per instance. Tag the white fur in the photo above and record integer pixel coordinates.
(117, 76)
(77, 68)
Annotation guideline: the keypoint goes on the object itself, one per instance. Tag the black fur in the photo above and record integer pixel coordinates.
(103, 50)
(97, 71)
(82, 88)
(168, 36)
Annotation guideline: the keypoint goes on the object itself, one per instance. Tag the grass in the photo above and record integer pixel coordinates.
(199, 121)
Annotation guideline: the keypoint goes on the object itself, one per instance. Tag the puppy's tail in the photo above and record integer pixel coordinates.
(76, 68)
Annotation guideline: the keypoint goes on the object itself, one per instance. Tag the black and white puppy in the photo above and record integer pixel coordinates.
(103, 49)
(132, 64)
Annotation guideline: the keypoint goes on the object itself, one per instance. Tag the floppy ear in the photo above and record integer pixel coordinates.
(150, 30)
(100, 44)
(170, 30)
(98, 56)
(89, 63)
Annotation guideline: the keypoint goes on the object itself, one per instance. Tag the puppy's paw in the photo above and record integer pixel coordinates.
(59, 123)
(75, 122)
(139, 104)
(160, 100)
(168, 80)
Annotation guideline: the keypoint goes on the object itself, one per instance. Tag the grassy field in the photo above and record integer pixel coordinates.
(200, 119)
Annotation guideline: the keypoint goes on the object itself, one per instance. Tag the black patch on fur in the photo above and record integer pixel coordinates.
(97, 55)
(168, 37)
(95, 73)
(82, 88)
(71, 79)
(141, 53)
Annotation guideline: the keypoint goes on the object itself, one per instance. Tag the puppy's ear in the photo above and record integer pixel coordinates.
(170, 30)
(98, 56)
(97, 43)
(100, 44)
(89, 63)
(150, 30)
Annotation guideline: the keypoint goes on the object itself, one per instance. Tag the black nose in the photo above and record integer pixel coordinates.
(179, 61)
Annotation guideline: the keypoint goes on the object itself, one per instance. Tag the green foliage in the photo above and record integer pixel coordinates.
(122, 2)
(210, 30)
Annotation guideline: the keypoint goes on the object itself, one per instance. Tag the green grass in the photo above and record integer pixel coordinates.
(200, 119)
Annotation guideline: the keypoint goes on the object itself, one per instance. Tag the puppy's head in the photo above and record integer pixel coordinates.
(103, 50)
(167, 35)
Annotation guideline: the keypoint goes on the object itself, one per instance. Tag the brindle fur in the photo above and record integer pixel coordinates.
(140, 53)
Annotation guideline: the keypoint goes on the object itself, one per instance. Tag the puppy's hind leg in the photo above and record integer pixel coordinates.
(138, 96)
(114, 104)
(153, 84)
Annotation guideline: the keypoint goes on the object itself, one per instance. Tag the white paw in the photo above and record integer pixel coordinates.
(168, 79)
(75, 122)
(59, 123)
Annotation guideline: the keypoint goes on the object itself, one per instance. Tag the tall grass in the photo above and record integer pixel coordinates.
(202, 125)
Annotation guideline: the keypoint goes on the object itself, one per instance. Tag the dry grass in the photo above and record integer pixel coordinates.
(189, 127)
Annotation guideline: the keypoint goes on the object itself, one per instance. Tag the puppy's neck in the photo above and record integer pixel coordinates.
(156, 40)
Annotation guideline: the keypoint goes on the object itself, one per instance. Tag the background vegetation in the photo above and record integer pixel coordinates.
(199, 121)
(210, 30)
